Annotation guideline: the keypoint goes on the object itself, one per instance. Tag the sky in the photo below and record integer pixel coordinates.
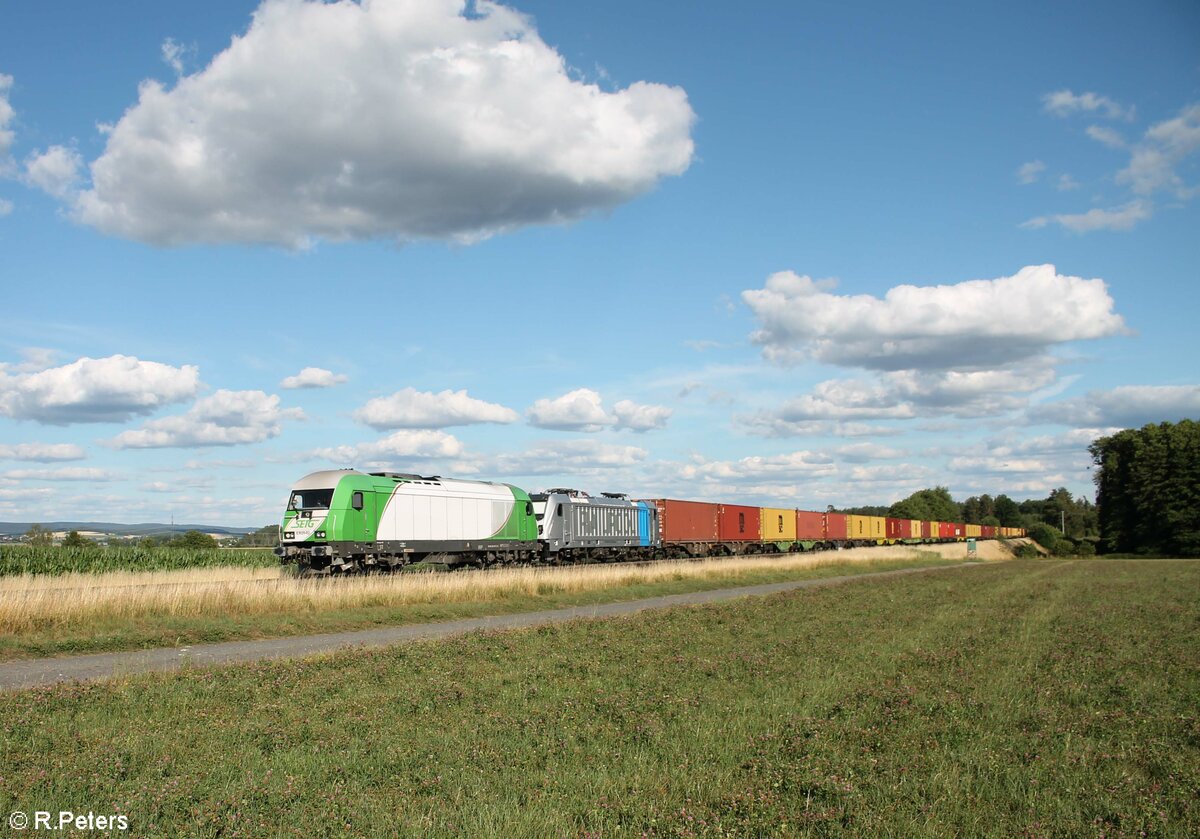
(778, 253)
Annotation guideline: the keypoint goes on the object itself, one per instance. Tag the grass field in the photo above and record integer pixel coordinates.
(72, 613)
(1012, 699)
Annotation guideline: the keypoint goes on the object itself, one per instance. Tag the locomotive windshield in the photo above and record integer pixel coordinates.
(311, 499)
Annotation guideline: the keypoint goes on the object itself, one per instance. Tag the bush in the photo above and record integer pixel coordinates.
(1085, 548)
(1063, 547)
(1045, 535)
(74, 540)
(1026, 551)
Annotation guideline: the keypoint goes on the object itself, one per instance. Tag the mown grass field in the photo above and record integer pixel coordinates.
(76, 613)
(1012, 699)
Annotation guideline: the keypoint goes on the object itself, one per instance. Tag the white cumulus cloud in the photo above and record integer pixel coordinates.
(833, 406)
(977, 324)
(400, 119)
(579, 410)
(1155, 158)
(397, 447)
(42, 452)
(68, 473)
(583, 410)
(1129, 406)
(1066, 183)
(411, 408)
(1124, 217)
(55, 171)
(845, 399)
(867, 452)
(6, 117)
(796, 466)
(1064, 103)
(313, 377)
(1105, 135)
(564, 457)
(227, 418)
(111, 389)
(1028, 173)
(628, 414)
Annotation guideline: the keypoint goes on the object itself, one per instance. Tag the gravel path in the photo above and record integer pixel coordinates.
(16, 675)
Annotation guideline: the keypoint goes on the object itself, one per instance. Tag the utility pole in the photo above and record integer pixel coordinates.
(1063, 521)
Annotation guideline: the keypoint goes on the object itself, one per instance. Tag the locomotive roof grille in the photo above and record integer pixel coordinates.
(405, 476)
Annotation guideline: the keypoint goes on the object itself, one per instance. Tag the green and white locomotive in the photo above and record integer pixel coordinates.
(345, 520)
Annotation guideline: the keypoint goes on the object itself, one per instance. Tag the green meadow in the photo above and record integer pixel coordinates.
(1045, 698)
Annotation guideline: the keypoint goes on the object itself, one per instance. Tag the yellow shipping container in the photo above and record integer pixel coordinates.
(974, 531)
(778, 525)
(868, 527)
(914, 528)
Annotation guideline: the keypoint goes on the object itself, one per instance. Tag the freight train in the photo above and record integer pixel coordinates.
(342, 521)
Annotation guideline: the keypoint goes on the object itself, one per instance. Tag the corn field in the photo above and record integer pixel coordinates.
(55, 560)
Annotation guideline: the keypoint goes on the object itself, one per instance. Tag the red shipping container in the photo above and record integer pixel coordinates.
(810, 527)
(738, 524)
(989, 531)
(687, 521)
(896, 529)
(927, 530)
(837, 527)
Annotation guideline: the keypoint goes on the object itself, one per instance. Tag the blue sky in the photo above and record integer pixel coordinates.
(797, 253)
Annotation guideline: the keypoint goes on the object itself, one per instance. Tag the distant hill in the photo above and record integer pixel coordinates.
(148, 529)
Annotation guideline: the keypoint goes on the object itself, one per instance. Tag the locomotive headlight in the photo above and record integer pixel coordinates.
(289, 534)
(320, 534)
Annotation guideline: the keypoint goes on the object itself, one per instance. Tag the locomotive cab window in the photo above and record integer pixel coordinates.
(356, 500)
(310, 499)
(529, 508)
(558, 510)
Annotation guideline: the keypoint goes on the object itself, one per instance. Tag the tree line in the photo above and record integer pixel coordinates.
(39, 536)
(1148, 489)
(1075, 518)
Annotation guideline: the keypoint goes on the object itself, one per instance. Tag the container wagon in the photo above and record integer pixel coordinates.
(778, 528)
(687, 528)
(738, 527)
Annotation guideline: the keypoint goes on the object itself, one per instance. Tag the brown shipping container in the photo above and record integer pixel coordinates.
(837, 527)
(810, 527)
(895, 528)
(929, 530)
(737, 523)
(687, 521)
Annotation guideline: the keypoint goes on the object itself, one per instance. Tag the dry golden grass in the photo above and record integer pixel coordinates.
(34, 603)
